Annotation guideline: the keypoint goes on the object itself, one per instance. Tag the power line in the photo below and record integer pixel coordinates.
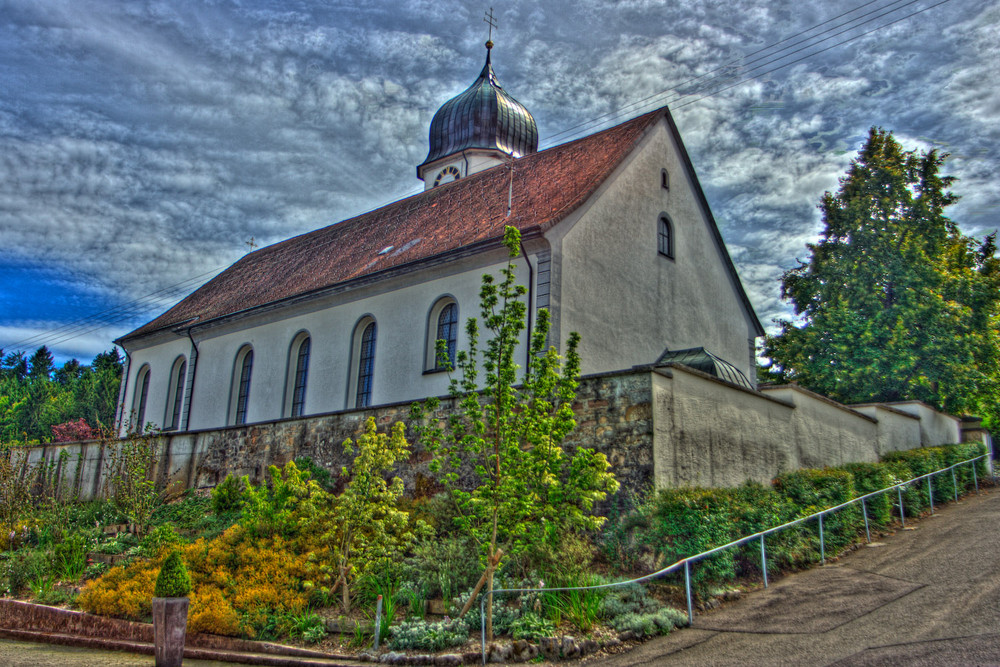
(621, 111)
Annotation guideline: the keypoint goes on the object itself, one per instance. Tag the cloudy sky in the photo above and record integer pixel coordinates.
(142, 144)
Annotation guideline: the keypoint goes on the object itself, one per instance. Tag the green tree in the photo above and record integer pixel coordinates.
(894, 302)
(499, 453)
(363, 526)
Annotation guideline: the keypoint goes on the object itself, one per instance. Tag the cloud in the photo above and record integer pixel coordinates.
(142, 143)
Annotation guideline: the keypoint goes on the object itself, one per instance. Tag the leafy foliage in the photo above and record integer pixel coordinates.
(500, 455)
(129, 481)
(41, 402)
(894, 302)
(429, 636)
(363, 528)
(173, 580)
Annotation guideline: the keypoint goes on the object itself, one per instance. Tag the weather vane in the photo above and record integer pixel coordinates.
(491, 20)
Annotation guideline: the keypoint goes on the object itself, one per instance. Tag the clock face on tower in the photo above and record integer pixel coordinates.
(447, 175)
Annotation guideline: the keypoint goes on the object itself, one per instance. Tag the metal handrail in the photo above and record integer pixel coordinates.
(686, 562)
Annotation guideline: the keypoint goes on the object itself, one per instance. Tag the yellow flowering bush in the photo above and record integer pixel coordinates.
(211, 612)
(123, 592)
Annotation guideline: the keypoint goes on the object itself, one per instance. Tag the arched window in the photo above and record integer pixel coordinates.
(241, 385)
(175, 393)
(665, 237)
(447, 330)
(442, 324)
(664, 179)
(366, 366)
(142, 392)
(363, 361)
(298, 373)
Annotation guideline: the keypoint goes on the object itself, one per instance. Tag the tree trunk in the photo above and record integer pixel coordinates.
(482, 580)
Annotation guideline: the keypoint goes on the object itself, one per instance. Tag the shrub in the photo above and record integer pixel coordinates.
(158, 539)
(22, 568)
(871, 477)
(429, 636)
(121, 592)
(443, 566)
(631, 599)
(211, 612)
(173, 580)
(647, 625)
(816, 489)
(228, 496)
(71, 556)
(531, 626)
(917, 462)
(685, 522)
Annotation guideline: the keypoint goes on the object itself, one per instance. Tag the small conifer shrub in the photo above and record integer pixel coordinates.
(173, 580)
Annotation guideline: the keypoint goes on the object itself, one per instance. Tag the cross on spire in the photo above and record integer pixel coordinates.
(251, 244)
(492, 21)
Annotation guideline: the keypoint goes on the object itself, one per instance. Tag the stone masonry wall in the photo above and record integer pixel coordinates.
(613, 413)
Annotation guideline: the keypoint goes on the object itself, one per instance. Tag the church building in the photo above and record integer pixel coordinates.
(618, 243)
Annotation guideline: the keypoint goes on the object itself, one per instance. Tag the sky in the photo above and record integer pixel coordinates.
(143, 144)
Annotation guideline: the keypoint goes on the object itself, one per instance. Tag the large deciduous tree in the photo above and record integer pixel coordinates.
(894, 303)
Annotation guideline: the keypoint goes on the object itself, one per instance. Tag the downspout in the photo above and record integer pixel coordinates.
(194, 376)
(531, 274)
(531, 307)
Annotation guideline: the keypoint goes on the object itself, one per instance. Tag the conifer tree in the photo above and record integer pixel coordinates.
(894, 303)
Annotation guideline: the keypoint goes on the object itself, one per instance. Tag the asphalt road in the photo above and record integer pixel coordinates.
(929, 596)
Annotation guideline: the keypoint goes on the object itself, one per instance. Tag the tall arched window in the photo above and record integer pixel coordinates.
(241, 387)
(175, 393)
(442, 324)
(665, 237)
(447, 330)
(142, 392)
(364, 361)
(298, 367)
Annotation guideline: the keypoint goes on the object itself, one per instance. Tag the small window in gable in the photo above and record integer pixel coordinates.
(664, 179)
(665, 237)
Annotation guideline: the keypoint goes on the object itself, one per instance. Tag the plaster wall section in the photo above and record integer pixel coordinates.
(710, 433)
(160, 357)
(610, 282)
(897, 430)
(825, 432)
(401, 308)
(936, 428)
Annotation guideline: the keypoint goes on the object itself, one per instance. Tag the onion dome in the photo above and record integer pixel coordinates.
(484, 116)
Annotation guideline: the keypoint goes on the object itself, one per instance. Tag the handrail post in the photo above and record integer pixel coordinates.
(975, 478)
(822, 543)
(954, 483)
(902, 513)
(687, 587)
(864, 511)
(763, 560)
(930, 493)
(482, 625)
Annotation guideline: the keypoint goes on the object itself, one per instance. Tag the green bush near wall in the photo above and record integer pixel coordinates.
(677, 523)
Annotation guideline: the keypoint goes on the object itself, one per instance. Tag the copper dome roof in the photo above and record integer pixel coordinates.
(483, 116)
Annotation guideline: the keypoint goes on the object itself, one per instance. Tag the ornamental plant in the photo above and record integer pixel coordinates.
(173, 580)
(500, 455)
(363, 527)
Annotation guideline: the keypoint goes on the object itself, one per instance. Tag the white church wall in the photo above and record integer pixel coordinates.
(630, 302)
(160, 357)
(400, 306)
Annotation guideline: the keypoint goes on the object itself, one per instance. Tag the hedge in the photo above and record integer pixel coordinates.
(677, 523)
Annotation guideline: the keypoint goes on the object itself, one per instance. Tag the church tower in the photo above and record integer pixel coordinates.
(479, 128)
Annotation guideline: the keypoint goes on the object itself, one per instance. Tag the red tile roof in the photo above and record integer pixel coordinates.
(547, 187)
